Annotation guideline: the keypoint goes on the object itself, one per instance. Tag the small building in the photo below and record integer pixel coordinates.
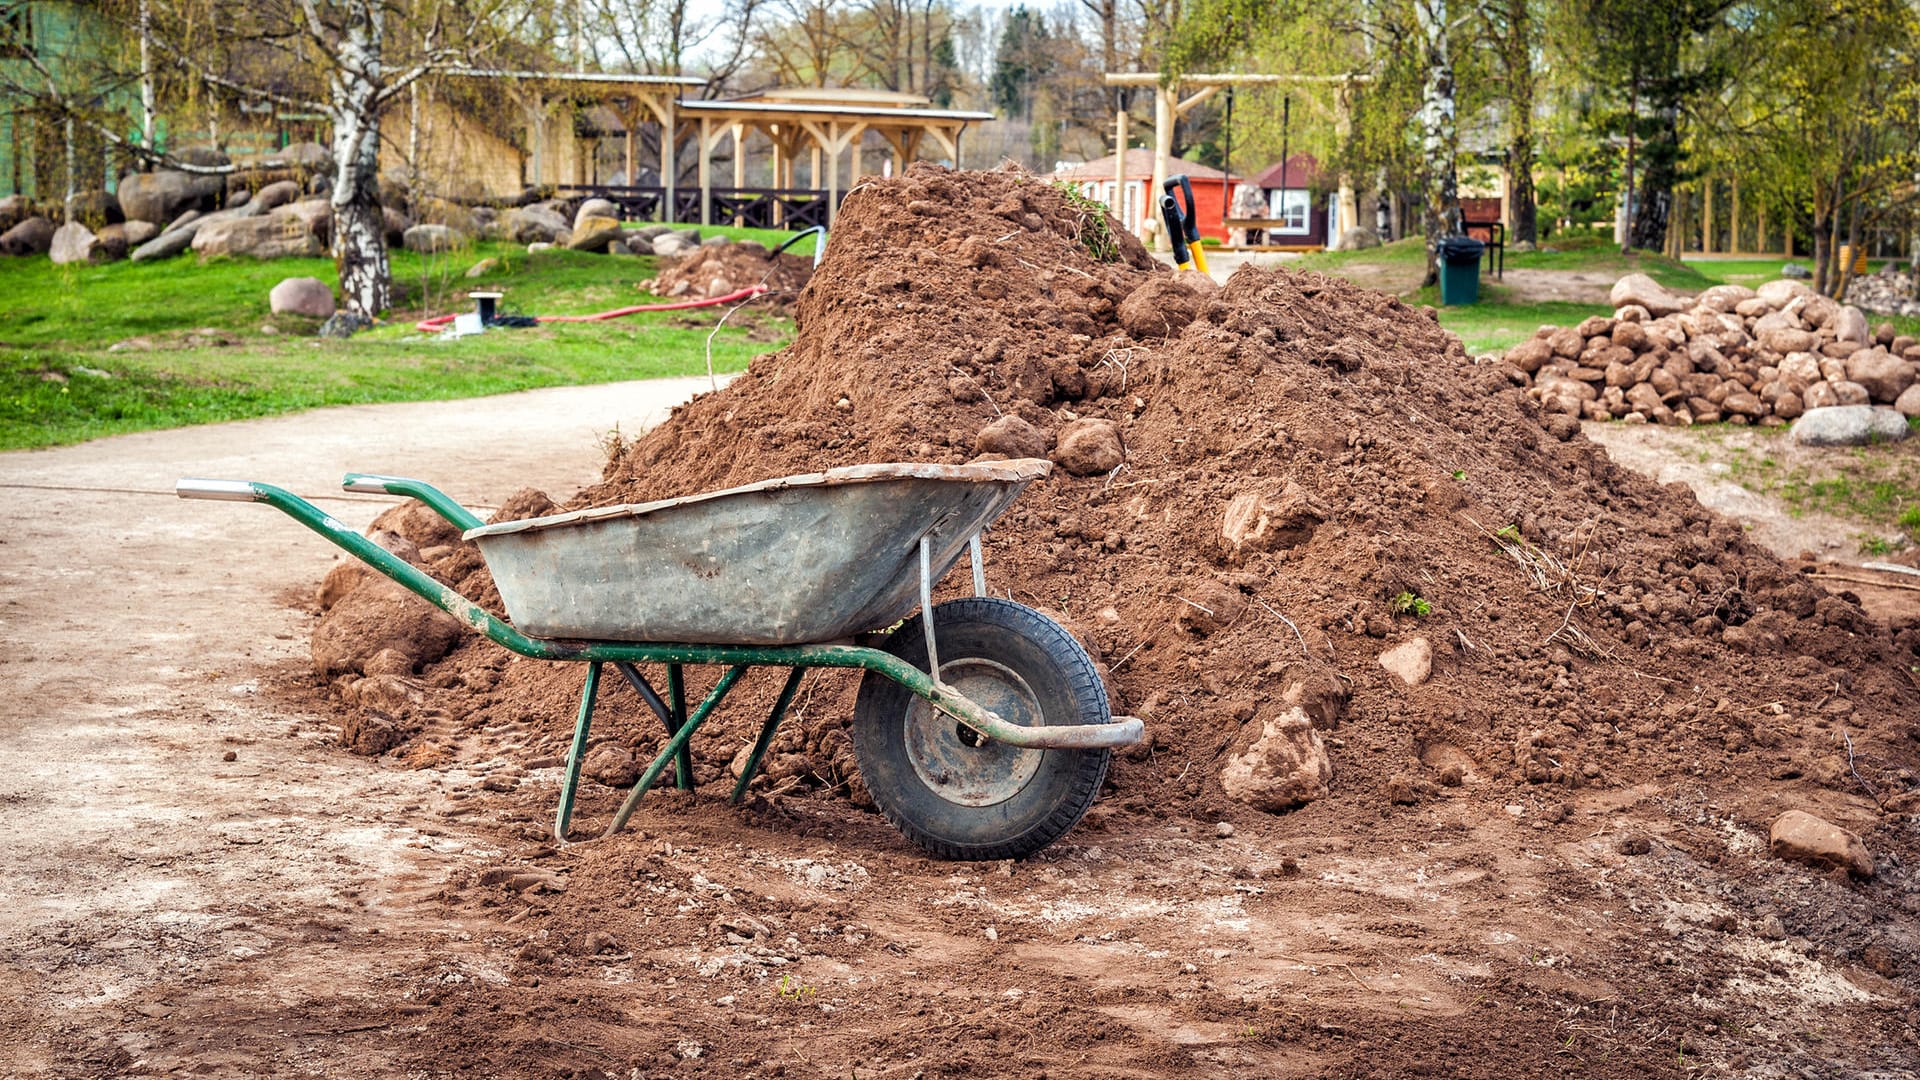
(1096, 179)
(1298, 201)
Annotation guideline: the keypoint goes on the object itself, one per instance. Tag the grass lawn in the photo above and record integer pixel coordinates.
(196, 343)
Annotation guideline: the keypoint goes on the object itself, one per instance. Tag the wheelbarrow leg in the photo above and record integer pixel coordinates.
(675, 746)
(766, 733)
(672, 718)
(571, 784)
(677, 690)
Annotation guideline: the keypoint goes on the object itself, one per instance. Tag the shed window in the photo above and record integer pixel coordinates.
(1292, 207)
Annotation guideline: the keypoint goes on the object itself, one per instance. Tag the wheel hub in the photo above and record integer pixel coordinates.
(958, 763)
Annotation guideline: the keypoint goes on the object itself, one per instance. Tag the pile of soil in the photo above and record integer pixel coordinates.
(1732, 354)
(720, 269)
(1270, 494)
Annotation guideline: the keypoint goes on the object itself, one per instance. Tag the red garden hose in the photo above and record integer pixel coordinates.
(441, 322)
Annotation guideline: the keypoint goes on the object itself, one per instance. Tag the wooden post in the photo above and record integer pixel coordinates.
(1349, 204)
(1162, 155)
(706, 171)
(739, 157)
(669, 135)
(1120, 171)
(1762, 239)
(833, 170)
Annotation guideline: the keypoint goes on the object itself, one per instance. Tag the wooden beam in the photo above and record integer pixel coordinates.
(1187, 105)
(1152, 78)
(1706, 217)
(706, 171)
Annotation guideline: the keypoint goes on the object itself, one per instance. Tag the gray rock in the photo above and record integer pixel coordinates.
(239, 198)
(31, 237)
(139, 232)
(344, 324)
(395, 225)
(1795, 270)
(95, 209)
(1359, 239)
(648, 232)
(72, 243)
(618, 248)
(483, 267)
(302, 296)
(110, 244)
(168, 193)
(535, 225)
(430, 239)
(593, 208)
(1849, 425)
(314, 215)
(1648, 293)
(307, 156)
(254, 236)
(715, 241)
(636, 245)
(669, 244)
(166, 245)
(276, 195)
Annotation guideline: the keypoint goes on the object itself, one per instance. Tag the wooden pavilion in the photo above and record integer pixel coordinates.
(823, 126)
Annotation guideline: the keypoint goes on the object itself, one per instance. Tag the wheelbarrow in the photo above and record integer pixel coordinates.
(981, 727)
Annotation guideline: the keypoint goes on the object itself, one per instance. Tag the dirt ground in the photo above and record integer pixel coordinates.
(201, 882)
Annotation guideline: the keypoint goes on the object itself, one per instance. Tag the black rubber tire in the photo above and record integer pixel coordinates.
(1054, 789)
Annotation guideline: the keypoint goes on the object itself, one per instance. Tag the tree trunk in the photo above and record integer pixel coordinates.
(359, 226)
(1440, 215)
(1519, 49)
(146, 75)
(1822, 248)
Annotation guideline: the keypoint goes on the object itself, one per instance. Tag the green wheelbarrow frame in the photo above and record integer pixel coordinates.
(681, 725)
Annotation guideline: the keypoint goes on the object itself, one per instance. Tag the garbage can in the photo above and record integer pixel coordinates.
(1460, 269)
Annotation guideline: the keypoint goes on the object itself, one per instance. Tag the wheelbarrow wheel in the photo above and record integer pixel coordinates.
(953, 792)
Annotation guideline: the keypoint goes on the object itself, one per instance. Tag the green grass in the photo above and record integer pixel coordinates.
(1877, 486)
(62, 381)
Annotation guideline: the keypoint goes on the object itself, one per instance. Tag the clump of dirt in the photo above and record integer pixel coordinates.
(721, 269)
(1319, 503)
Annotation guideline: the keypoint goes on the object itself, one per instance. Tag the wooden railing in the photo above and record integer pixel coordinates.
(760, 208)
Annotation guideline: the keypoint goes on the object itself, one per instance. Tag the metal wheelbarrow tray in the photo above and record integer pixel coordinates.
(982, 728)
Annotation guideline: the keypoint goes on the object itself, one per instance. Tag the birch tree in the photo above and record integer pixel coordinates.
(348, 59)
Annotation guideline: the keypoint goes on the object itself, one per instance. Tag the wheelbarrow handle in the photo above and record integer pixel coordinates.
(216, 490)
(438, 501)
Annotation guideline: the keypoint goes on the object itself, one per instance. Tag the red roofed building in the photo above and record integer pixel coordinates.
(1295, 195)
(1095, 179)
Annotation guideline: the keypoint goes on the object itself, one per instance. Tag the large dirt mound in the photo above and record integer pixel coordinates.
(1270, 492)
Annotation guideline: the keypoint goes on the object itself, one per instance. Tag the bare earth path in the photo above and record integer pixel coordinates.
(132, 630)
(296, 911)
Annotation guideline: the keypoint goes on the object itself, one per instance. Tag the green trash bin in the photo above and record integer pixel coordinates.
(1460, 270)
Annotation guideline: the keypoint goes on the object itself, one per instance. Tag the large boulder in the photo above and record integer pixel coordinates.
(275, 195)
(593, 208)
(1848, 425)
(1643, 291)
(256, 237)
(595, 234)
(1778, 294)
(139, 232)
(535, 225)
(430, 239)
(670, 244)
(72, 243)
(110, 243)
(1908, 403)
(308, 157)
(1885, 376)
(168, 193)
(315, 215)
(31, 237)
(95, 209)
(302, 296)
